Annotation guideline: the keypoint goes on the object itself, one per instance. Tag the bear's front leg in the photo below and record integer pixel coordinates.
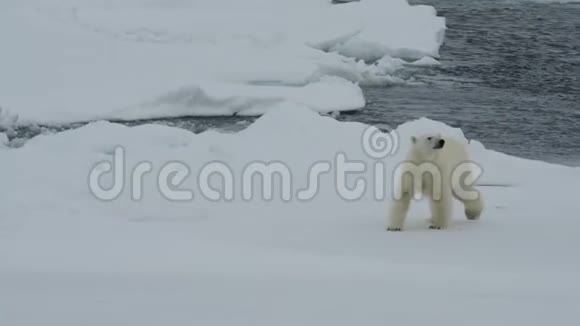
(398, 212)
(440, 212)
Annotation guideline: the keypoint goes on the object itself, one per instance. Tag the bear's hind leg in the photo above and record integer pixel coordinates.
(398, 212)
(473, 207)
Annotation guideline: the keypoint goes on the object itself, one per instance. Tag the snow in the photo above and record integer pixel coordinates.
(425, 61)
(328, 94)
(68, 60)
(7, 119)
(388, 33)
(3, 140)
(321, 256)
(69, 258)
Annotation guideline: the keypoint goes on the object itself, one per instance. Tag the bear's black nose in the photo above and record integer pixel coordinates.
(440, 144)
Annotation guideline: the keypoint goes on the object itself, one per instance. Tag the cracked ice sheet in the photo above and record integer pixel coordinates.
(72, 60)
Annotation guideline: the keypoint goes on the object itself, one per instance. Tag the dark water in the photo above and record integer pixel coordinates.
(510, 77)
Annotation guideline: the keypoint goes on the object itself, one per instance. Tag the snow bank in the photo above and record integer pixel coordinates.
(329, 94)
(71, 258)
(70, 60)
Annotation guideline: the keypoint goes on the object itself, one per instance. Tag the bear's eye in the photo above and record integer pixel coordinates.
(429, 138)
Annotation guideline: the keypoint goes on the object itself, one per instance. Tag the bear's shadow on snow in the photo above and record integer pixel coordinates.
(421, 224)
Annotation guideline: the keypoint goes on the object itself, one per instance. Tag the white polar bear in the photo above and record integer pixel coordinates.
(440, 169)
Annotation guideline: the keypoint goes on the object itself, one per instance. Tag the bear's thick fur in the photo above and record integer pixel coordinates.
(438, 168)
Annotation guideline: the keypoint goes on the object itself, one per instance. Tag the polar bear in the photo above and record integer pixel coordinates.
(439, 169)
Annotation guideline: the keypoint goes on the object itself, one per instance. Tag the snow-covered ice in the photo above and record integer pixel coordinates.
(69, 60)
(425, 61)
(327, 95)
(68, 258)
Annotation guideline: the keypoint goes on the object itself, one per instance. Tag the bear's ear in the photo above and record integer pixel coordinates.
(413, 139)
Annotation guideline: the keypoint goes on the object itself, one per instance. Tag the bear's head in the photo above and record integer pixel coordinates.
(428, 145)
